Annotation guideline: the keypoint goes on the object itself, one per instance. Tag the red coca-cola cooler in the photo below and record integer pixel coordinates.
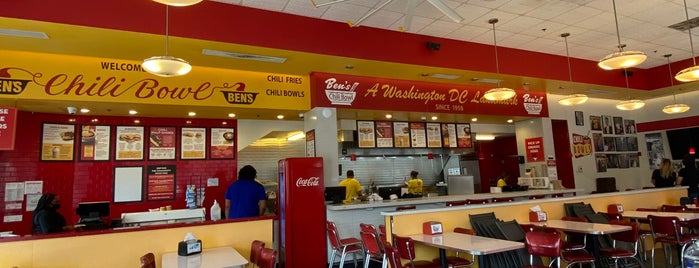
(302, 235)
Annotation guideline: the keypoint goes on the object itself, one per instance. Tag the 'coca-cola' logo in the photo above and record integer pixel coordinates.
(310, 182)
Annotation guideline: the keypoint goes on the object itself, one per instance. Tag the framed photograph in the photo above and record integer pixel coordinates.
(609, 144)
(629, 126)
(129, 143)
(222, 143)
(595, 122)
(366, 137)
(618, 125)
(162, 143)
(601, 161)
(94, 143)
(598, 142)
(579, 119)
(193, 143)
(128, 184)
(607, 125)
(57, 142)
(384, 134)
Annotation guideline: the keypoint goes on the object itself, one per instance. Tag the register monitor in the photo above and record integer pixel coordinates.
(386, 191)
(335, 194)
(91, 213)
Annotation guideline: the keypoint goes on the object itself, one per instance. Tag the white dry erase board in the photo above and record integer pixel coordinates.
(128, 184)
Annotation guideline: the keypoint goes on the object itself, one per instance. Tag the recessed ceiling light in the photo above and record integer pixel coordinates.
(95, 120)
(84, 110)
(71, 120)
(224, 123)
(301, 115)
(474, 119)
(510, 121)
(188, 122)
(231, 115)
(281, 116)
(136, 121)
(191, 113)
(434, 118)
(389, 116)
(132, 112)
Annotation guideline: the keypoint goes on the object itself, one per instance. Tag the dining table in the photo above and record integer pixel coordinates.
(208, 258)
(472, 244)
(682, 216)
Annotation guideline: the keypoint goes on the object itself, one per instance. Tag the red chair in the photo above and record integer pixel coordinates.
(255, 249)
(405, 208)
(382, 233)
(148, 260)
(268, 258)
(456, 203)
(541, 196)
(503, 199)
(630, 237)
(666, 230)
(476, 201)
(456, 261)
(393, 256)
(543, 244)
(374, 249)
(574, 241)
(406, 250)
(643, 233)
(342, 246)
(673, 208)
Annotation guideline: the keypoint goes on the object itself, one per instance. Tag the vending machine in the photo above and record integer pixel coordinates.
(302, 234)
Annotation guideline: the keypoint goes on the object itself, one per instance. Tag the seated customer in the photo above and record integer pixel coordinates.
(46, 218)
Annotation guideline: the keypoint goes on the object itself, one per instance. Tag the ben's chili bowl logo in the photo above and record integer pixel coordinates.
(340, 93)
(239, 96)
(309, 182)
(9, 86)
(532, 104)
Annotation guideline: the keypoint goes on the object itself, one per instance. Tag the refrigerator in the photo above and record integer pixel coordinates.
(302, 234)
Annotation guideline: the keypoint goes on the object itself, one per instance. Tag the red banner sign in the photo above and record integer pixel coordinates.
(535, 149)
(8, 126)
(359, 92)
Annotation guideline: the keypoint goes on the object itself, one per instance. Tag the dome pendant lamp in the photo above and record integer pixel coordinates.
(692, 73)
(178, 3)
(630, 104)
(166, 66)
(572, 99)
(498, 93)
(621, 59)
(675, 108)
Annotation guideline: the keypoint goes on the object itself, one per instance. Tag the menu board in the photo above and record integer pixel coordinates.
(162, 143)
(57, 142)
(434, 136)
(463, 136)
(94, 142)
(311, 143)
(129, 144)
(401, 134)
(193, 143)
(366, 134)
(417, 135)
(449, 135)
(384, 134)
(161, 182)
(222, 143)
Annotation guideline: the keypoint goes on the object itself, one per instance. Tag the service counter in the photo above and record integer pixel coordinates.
(122, 247)
(410, 221)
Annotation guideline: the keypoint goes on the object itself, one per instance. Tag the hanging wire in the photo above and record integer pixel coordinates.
(689, 29)
(495, 44)
(626, 77)
(167, 28)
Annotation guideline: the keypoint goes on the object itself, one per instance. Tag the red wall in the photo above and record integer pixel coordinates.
(497, 156)
(82, 181)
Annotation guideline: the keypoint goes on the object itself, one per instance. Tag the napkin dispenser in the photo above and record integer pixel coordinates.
(432, 227)
(189, 247)
(615, 209)
(537, 216)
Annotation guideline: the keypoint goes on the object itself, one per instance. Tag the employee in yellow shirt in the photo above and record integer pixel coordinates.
(352, 185)
(414, 184)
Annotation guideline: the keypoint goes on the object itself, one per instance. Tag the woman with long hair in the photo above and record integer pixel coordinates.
(664, 176)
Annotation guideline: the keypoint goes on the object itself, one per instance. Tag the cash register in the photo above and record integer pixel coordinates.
(92, 214)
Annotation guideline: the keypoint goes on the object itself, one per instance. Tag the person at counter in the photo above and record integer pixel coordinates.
(664, 176)
(354, 189)
(245, 197)
(689, 176)
(46, 218)
(414, 184)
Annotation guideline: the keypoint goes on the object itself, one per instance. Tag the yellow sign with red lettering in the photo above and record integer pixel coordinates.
(60, 77)
(582, 145)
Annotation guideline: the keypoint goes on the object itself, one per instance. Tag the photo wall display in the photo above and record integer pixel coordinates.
(614, 142)
(383, 134)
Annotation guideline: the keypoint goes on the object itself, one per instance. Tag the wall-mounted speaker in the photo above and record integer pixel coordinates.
(433, 46)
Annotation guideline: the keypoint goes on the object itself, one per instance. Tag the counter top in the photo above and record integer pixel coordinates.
(444, 198)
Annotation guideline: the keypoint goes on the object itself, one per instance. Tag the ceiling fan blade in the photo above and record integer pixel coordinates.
(368, 14)
(409, 10)
(449, 12)
(313, 2)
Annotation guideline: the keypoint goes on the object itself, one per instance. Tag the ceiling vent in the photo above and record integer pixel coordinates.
(601, 92)
(685, 25)
(242, 56)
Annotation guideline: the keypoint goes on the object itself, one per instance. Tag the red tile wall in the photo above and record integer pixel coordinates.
(87, 181)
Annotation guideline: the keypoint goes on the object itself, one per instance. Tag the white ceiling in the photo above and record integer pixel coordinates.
(534, 25)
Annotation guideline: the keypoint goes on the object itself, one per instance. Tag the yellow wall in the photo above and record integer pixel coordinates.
(410, 222)
(123, 249)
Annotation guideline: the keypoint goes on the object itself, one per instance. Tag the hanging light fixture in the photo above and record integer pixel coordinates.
(692, 73)
(178, 3)
(630, 104)
(166, 66)
(572, 99)
(675, 108)
(621, 59)
(499, 93)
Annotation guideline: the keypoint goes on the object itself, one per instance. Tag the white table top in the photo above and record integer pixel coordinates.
(582, 227)
(683, 216)
(209, 257)
(476, 245)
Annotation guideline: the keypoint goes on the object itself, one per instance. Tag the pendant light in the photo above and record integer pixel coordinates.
(572, 99)
(621, 59)
(692, 73)
(675, 108)
(498, 93)
(178, 3)
(166, 66)
(630, 104)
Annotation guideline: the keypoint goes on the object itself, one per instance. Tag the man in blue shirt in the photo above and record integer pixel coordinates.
(245, 197)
